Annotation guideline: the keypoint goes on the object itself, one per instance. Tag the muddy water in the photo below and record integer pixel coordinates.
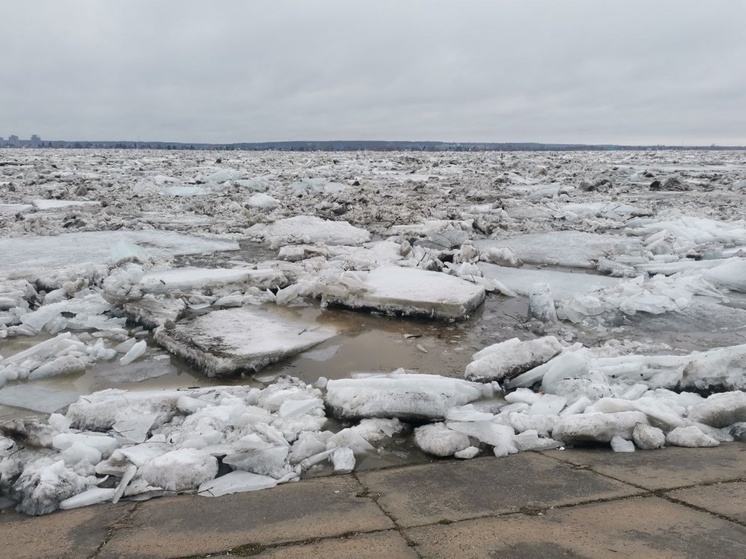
(365, 343)
(375, 343)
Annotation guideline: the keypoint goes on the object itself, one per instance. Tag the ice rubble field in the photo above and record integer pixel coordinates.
(107, 255)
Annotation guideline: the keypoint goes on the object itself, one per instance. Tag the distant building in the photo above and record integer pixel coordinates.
(13, 141)
(35, 141)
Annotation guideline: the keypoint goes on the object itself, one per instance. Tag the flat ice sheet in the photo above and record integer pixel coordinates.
(62, 204)
(11, 209)
(564, 248)
(193, 278)
(229, 341)
(408, 291)
(309, 229)
(32, 254)
(31, 396)
(563, 284)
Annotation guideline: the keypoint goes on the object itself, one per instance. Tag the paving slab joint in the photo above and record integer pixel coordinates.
(253, 549)
(114, 527)
(663, 494)
(366, 493)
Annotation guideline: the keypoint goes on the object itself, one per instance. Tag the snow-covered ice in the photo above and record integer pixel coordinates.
(396, 290)
(33, 254)
(309, 229)
(401, 394)
(226, 342)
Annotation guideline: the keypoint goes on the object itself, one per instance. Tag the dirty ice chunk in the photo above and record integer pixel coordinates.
(92, 496)
(468, 453)
(439, 440)
(235, 482)
(294, 408)
(468, 413)
(65, 365)
(78, 452)
(228, 341)
(408, 291)
(122, 251)
(36, 398)
(152, 312)
(180, 470)
(647, 437)
(691, 437)
(719, 369)
(548, 404)
(401, 395)
(530, 440)
(541, 303)
(44, 483)
(720, 410)
(135, 352)
(309, 229)
(619, 444)
(564, 248)
(44, 349)
(263, 201)
(44, 204)
(103, 443)
(508, 360)
(140, 454)
(185, 279)
(343, 459)
(100, 410)
(135, 428)
(599, 427)
(495, 434)
(268, 462)
(731, 275)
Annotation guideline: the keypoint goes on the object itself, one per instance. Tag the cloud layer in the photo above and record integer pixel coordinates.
(629, 71)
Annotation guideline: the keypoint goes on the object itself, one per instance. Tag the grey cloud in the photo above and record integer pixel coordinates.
(573, 71)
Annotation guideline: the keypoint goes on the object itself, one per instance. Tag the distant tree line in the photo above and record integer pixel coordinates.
(363, 145)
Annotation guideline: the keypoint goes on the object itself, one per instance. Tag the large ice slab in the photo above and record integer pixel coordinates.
(50, 253)
(62, 204)
(510, 358)
(36, 398)
(230, 341)
(402, 395)
(564, 248)
(408, 291)
(731, 274)
(309, 229)
(196, 278)
(563, 284)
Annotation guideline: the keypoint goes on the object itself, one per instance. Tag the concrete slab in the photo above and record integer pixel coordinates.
(191, 525)
(725, 499)
(389, 544)
(450, 491)
(636, 527)
(663, 469)
(68, 534)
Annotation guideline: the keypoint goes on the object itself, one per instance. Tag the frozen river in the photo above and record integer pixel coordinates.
(270, 315)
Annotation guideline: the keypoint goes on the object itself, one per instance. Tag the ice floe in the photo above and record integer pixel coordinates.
(235, 261)
(397, 290)
(227, 342)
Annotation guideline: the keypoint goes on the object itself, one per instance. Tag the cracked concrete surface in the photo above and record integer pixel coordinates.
(578, 503)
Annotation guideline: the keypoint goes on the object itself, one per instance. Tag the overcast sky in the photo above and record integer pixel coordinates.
(589, 71)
